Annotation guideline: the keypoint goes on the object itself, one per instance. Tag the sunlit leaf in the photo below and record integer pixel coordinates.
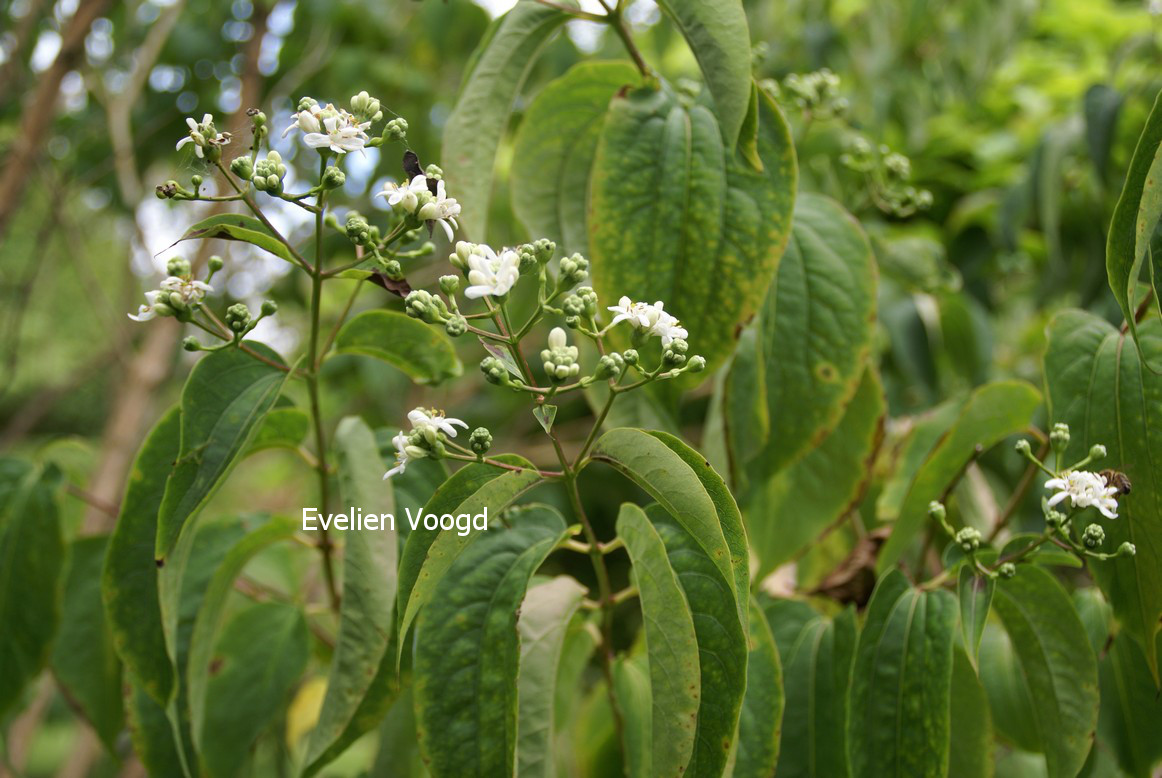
(419, 350)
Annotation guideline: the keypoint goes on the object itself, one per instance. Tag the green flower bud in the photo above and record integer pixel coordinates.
(1127, 549)
(393, 268)
(269, 172)
(480, 441)
(161, 309)
(1097, 451)
(257, 117)
(630, 356)
(610, 366)
(1093, 536)
(1054, 518)
(936, 511)
(1023, 448)
(574, 270)
(560, 359)
(214, 264)
(196, 180)
(528, 259)
(420, 304)
(696, 364)
(544, 249)
(191, 344)
(333, 178)
(167, 191)
(237, 317)
(968, 539)
(396, 129)
(1059, 437)
(269, 307)
(1007, 570)
(178, 267)
(456, 326)
(434, 171)
(449, 285)
(357, 229)
(494, 371)
(573, 305)
(306, 103)
(243, 167)
(675, 353)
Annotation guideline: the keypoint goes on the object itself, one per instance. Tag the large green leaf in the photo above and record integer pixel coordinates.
(992, 413)
(1131, 710)
(467, 649)
(367, 613)
(223, 403)
(149, 731)
(240, 227)
(975, 593)
(631, 687)
(478, 120)
(31, 572)
(817, 655)
(720, 39)
(260, 656)
(684, 484)
(793, 507)
(1135, 218)
(674, 216)
(83, 658)
(815, 331)
(418, 349)
(554, 148)
(722, 645)
(1056, 662)
(283, 427)
(429, 553)
(970, 751)
(129, 580)
(671, 645)
(1102, 390)
(211, 613)
(762, 707)
(1010, 705)
(899, 721)
(545, 615)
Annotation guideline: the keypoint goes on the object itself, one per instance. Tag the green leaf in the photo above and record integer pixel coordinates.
(674, 216)
(418, 349)
(367, 612)
(261, 655)
(671, 645)
(815, 332)
(684, 484)
(970, 751)
(631, 687)
(975, 593)
(31, 572)
(899, 721)
(1131, 710)
(1132, 226)
(281, 428)
(467, 649)
(554, 149)
(149, 731)
(789, 512)
(83, 658)
(722, 645)
(546, 415)
(1010, 705)
(211, 613)
(478, 120)
(1103, 103)
(1056, 662)
(992, 413)
(1103, 391)
(429, 553)
(720, 39)
(545, 615)
(928, 429)
(762, 707)
(223, 403)
(236, 226)
(817, 655)
(129, 579)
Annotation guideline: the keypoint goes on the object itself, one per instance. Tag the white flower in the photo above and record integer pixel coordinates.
(175, 292)
(328, 127)
(145, 312)
(404, 453)
(1084, 489)
(651, 318)
(428, 418)
(203, 134)
(405, 195)
(557, 338)
(489, 274)
(442, 210)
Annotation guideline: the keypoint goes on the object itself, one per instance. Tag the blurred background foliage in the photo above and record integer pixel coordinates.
(1019, 116)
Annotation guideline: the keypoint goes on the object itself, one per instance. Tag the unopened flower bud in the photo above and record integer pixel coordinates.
(256, 116)
(243, 167)
(1059, 437)
(191, 344)
(214, 264)
(167, 191)
(1097, 451)
(392, 268)
(560, 359)
(269, 307)
(1007, 570)
(544, 249)
(333, 178)
(969, 539)
(1054, 518)
(1093, 536)
(196, 180)
(1023, 448)
(528, 259)
(574, 270)
(675, 353)
(480, 441)
(420, 304)
(696, 364)
(237, 317)
(610, 366)
(936, 511)
(1127, 549)
(434, 172)
(449, 285)
(456, 326)
(178, 267)
(396, 129)
(630, 356)
(494, 371)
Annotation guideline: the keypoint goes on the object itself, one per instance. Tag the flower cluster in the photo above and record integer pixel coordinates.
(816, 94)
(887, 174)
(208, 142)
(430, 431)
(328, 127)
(416, 199)
(650, 319)
(176, 296)
(1084, 489)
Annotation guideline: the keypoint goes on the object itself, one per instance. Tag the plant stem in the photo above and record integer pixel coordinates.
(325, 547)
(616, 20)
